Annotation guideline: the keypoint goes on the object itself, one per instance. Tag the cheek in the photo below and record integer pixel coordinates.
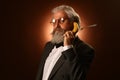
(67, 26)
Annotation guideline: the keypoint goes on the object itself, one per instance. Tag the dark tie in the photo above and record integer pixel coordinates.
(58, 45)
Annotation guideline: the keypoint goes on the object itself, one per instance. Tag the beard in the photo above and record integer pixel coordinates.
(57, 36)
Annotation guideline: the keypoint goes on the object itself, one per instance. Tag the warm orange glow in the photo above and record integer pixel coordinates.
(47, 29)
(82, 33)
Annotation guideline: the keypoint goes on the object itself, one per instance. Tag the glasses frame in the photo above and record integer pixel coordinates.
(60, 20)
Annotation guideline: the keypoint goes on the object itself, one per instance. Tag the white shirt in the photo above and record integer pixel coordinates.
(52, 59)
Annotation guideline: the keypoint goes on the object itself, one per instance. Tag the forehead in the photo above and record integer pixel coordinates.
(59, 14)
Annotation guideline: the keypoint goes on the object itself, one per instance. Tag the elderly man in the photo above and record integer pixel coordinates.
(65, 57)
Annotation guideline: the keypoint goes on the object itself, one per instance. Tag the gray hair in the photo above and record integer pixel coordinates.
(69, 11)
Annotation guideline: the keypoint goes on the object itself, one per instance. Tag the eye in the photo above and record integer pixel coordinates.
(62, 20)
(53, 21)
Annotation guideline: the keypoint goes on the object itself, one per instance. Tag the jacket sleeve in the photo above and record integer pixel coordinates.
(79, 60)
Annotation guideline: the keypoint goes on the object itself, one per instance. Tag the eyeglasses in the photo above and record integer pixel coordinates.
(61, 20)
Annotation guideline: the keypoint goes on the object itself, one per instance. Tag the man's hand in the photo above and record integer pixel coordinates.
(68, 38)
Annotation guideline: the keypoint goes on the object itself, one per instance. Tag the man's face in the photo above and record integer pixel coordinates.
(61, 20)
(61, 23)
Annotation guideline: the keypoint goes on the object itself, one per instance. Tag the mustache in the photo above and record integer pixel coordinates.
(57, 29)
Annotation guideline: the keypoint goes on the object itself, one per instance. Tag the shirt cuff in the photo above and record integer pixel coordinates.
(67, 47)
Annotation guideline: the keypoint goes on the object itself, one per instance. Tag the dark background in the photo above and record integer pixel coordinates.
(21, 44)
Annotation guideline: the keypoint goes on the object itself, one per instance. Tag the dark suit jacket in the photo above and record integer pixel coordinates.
(72, 65)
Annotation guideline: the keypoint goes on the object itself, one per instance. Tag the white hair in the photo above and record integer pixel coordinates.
(69, 11)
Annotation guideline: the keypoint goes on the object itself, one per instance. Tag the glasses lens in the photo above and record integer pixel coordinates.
(53, 21)
(62, 20)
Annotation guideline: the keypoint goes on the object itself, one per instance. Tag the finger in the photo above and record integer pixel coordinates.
(70, 34)
(65, 35)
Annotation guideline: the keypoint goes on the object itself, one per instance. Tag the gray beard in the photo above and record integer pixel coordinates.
(57, 36)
